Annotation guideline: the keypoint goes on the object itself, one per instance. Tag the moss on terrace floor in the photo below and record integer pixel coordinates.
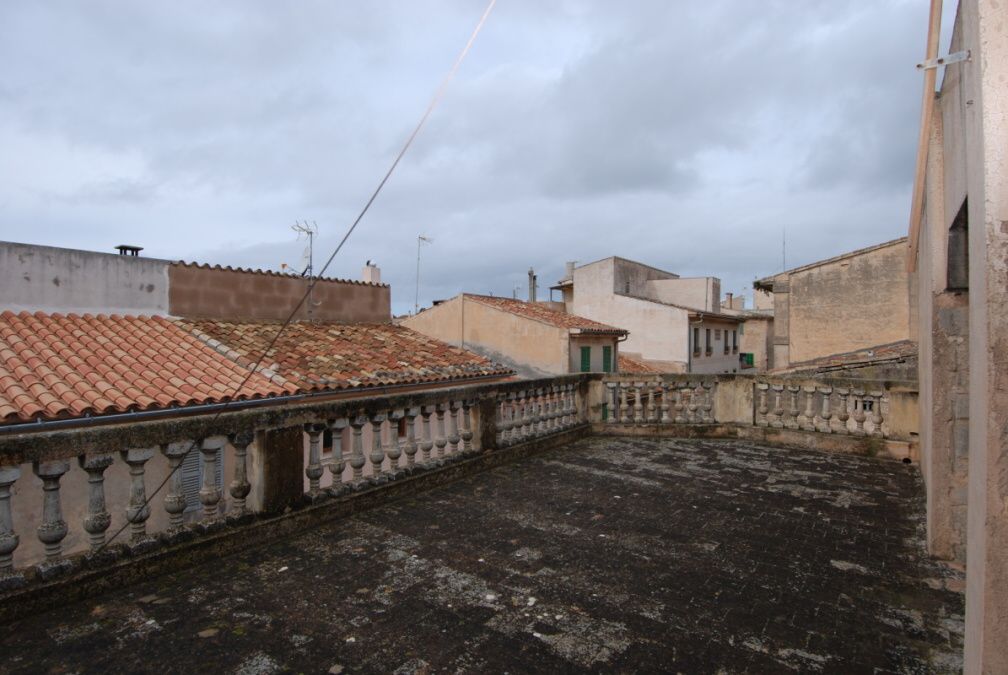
(608, 555)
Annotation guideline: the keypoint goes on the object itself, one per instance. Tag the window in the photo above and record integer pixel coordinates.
(626, 288)
(734, 341)
(709, 344)
(727, 345)
(606, 359)
(717, 335)
(586, 359)
(696, 342)
(958, 250)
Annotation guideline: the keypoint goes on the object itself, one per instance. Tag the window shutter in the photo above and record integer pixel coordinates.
(606, 359)
(192, 477)
(586, 359)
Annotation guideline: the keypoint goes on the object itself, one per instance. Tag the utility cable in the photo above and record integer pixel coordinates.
(438, 94)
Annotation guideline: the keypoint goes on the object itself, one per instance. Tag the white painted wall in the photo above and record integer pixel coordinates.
(695, 292)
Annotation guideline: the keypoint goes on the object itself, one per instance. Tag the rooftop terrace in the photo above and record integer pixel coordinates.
(609, 553)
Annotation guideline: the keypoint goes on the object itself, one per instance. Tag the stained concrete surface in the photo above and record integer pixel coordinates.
(622, 555)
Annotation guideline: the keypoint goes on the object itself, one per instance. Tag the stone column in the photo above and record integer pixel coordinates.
(314, 470)
(426, 444)
(876, 417)
(8, 540)
(338, 463)
(377, 456)
(453, 427)
(843, 413)
(792, 416)
(762, 409)
(138, 510)
(467, 433)
(859, 413)
(210, 494)
(410, 448)
(97, 521)
(53, 528)
(440, 439)
(778, 410)
(826, 414)
(392, 450)
(808, 423)
(174, 501)
(357, 460)
(240, 488)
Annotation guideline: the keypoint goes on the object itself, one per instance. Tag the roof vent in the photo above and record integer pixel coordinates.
(126, 249)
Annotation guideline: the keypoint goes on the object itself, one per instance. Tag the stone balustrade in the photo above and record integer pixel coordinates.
(87, 495)
(169, 484)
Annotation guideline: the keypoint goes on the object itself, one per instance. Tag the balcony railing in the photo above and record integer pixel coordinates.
(63, 492)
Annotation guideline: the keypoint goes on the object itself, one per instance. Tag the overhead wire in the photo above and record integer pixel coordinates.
(435, 99)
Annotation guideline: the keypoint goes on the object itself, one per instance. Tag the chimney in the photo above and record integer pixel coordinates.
(129, 249)
(569, 272)
(532, 285)
(728, 301)
(372, 273)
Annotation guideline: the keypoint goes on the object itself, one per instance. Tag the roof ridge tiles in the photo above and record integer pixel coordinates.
(274, 273)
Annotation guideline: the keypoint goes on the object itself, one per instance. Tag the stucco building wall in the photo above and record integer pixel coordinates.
(199, 291)
(467, 323)
(697, 292)
(51, 279)
(852, 302)
(756, 336)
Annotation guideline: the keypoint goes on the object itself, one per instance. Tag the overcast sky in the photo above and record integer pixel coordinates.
(686, 135)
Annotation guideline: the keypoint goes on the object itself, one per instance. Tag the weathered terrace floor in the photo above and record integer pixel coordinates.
(611, 554)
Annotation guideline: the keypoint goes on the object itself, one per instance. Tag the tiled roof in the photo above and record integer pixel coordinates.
(340, 356)
(634, 366)
(538, 312)
(59, 366)
(892, 351)
(272, 273)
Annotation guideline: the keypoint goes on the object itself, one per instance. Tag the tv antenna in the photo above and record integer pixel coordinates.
(309, 231)
(420, 240)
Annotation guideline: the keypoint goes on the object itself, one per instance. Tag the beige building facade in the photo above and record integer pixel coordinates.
(844, 304)
(533, 338)
(675, 324)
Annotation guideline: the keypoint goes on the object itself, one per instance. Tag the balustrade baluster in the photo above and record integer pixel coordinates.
(638, 406)
(53, 528)
(138, 510)
(425, 428)
(377, 455)
(392, 450)
(536, 413)
(762, 408)
(314, 470)
(210, 494)
(410, 447)
(809, 422)
(441, 440)
(357, 460)
(843, 414)
(859, 413)
(826, 414)
(792, 417)
(708, 402)
(876, 417)
(174, 501)
(337, 465)
(240, 487)
(467, 432)
(453, 428)
(503, 439)
(778, 410)
(680, 404)
(691, 403)
(98, 519)
(8, 539)
(664, 404)
(572, 409)
(625, 409)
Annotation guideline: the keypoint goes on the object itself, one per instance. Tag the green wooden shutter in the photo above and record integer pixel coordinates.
(606, 359)
(586, 359)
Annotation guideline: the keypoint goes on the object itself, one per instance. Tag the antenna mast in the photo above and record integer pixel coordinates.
(309, 231)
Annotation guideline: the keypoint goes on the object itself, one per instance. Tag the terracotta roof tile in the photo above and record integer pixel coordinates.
(271, 273)
(341, 356)
(539, 312)
(90, 366)
(635, 366)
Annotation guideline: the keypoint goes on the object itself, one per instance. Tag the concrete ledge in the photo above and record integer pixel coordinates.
(870, 446)
(88, 577)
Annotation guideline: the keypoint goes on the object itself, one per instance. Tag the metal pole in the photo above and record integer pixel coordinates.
(416, 300)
